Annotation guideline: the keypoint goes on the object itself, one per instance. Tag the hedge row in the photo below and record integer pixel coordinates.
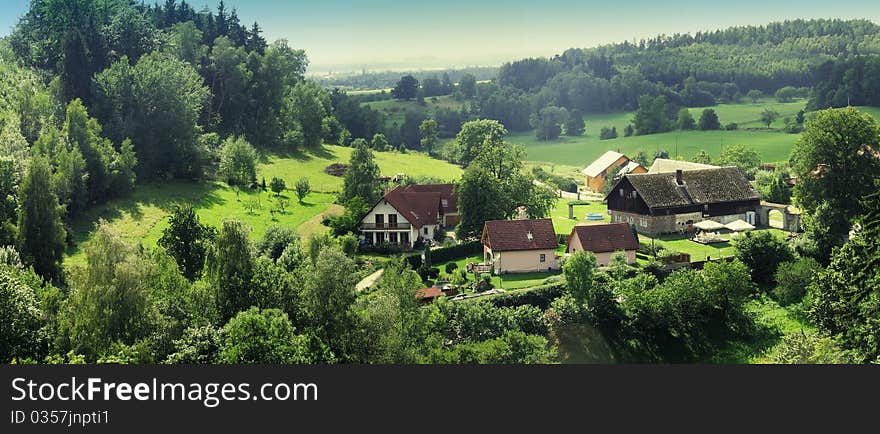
(446, 254)
(539, 296)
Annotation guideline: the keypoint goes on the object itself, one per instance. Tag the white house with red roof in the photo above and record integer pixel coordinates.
(408, 214)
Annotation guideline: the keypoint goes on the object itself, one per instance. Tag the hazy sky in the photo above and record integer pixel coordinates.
(460, 32)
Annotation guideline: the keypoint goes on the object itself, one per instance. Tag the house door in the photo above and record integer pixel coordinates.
(368, 237)
(380, 220)
(404, 238)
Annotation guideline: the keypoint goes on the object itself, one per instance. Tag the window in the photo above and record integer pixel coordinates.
(633, 194)
(392, 220)
(426, 230)
(404, 238)
(543, 257)
(392, 237)
(643, 222)
(380, 220)
(621, 192)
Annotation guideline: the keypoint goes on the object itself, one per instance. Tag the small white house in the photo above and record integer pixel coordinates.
(407, 214)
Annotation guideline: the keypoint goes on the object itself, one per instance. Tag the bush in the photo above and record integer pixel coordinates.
(539, 296)
(731, 126)
(762, 252)
(459, 251)
(451, 267)
(608, 133)
(792, 280)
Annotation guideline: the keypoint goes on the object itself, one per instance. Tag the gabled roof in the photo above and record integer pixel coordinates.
(418, 208)
(507, 235)
(602, 163)
(605, 238)
(447, 194)
(664, 165)
(432, 292)
(700, 187)
(628, 167)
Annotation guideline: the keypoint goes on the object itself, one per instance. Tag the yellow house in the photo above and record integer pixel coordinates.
(520, 246)
(597, 173)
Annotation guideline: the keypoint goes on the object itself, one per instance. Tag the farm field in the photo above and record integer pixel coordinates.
(394, 110)
(142, 216)
(773, 145)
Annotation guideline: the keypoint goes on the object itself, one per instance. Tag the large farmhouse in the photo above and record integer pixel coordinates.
(408, 214)
(519, 246)
(598, 172)
(658, 203)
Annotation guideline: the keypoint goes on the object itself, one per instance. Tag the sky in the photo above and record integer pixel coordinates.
(353, 34)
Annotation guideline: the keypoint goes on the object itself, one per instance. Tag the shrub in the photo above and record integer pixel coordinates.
(731, 126)
(792, 279)
(277, 185)
(762, 252)
(608, 133)
(450, 267)
(539, 296)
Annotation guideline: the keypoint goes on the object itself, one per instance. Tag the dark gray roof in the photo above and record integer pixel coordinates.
(704, 186)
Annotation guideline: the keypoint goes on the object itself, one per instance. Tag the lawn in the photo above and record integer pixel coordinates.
(563, 225)
(700, 252)
(773, 322)
(506, 281)
(142, 216)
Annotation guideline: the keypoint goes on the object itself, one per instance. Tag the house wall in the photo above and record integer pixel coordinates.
(385, 209)
(524, 261)
(604, 258)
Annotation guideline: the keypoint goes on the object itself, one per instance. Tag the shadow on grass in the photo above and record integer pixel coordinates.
(160, 195)
(304, 154)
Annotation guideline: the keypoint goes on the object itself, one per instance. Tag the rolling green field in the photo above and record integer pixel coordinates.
(773, 145)
(142, 216)
(394, 110)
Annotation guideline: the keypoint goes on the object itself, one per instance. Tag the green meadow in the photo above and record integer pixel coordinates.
(773, 144)
(142, 216)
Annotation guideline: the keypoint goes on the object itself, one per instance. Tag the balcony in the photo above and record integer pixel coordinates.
(385, 226)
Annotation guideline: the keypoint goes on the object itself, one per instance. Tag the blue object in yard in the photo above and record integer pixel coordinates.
(594, 216)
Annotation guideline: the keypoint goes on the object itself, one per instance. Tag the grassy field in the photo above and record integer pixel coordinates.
(773, 145)
(394, 110)
(773, 322)
(142, 216)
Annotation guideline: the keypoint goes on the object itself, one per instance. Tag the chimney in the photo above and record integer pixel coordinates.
(678, 177)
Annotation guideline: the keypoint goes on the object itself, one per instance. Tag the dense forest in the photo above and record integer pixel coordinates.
(780, 59)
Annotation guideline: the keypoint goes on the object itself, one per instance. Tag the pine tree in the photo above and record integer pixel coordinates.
(362, 177)
(41, 235)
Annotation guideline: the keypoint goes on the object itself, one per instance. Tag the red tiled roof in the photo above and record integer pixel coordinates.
(432, 292)
(419, 208)
(506, 235)
(446, 191)
(605, 238)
